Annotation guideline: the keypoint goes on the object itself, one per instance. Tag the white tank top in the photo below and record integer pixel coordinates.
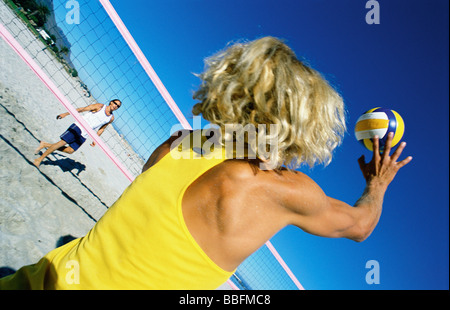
(95, 120)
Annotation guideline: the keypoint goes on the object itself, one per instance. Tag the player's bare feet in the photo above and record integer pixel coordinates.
(41, 146)
(37, 162)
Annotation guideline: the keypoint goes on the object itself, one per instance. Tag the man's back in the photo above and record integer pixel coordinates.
(232, 210)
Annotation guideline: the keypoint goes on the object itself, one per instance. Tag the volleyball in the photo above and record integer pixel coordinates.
(379, 122)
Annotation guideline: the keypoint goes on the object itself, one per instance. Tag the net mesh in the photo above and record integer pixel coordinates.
(261, 271)
(79, 47)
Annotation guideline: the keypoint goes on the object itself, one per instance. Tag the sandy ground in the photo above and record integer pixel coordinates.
(69, 193)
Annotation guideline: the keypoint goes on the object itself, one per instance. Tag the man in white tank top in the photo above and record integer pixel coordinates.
(99, 116)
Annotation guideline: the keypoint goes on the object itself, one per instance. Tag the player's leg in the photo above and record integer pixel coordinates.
(49, 150)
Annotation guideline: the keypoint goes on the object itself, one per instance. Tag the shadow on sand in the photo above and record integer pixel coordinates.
(66, 164)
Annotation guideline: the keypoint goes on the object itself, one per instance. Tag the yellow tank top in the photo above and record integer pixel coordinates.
(142, 241)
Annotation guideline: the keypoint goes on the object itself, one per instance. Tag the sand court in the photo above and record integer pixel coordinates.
(69, 193)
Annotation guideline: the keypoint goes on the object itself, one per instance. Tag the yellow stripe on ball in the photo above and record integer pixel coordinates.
(400, 129)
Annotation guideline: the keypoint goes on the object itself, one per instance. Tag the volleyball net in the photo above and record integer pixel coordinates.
(84, 54)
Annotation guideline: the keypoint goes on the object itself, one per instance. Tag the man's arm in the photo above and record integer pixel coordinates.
(320, 215)
(102, 129)
(92, 107)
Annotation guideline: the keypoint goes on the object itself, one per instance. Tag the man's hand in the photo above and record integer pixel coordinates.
(382, 169)
(61, 116)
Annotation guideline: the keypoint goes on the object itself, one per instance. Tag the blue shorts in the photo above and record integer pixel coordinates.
(73, 137)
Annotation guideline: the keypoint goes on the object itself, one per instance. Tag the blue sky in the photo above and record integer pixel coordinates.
(401, 63)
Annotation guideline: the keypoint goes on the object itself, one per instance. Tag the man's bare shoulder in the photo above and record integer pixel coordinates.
(291, 190)
(245, 174)
(247, 169)
(95, 107)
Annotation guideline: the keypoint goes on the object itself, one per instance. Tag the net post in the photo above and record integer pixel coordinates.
(144, 62)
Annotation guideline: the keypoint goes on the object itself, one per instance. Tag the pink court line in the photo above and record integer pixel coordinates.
(62, 99)
(144, 62)
(165, 94)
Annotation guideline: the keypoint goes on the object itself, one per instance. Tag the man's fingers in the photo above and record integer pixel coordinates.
(388, 145)
(376, 148)
(404, 162)
(398, 151)
(362, 162)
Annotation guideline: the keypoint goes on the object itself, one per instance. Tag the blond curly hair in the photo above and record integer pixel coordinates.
(263, 82)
